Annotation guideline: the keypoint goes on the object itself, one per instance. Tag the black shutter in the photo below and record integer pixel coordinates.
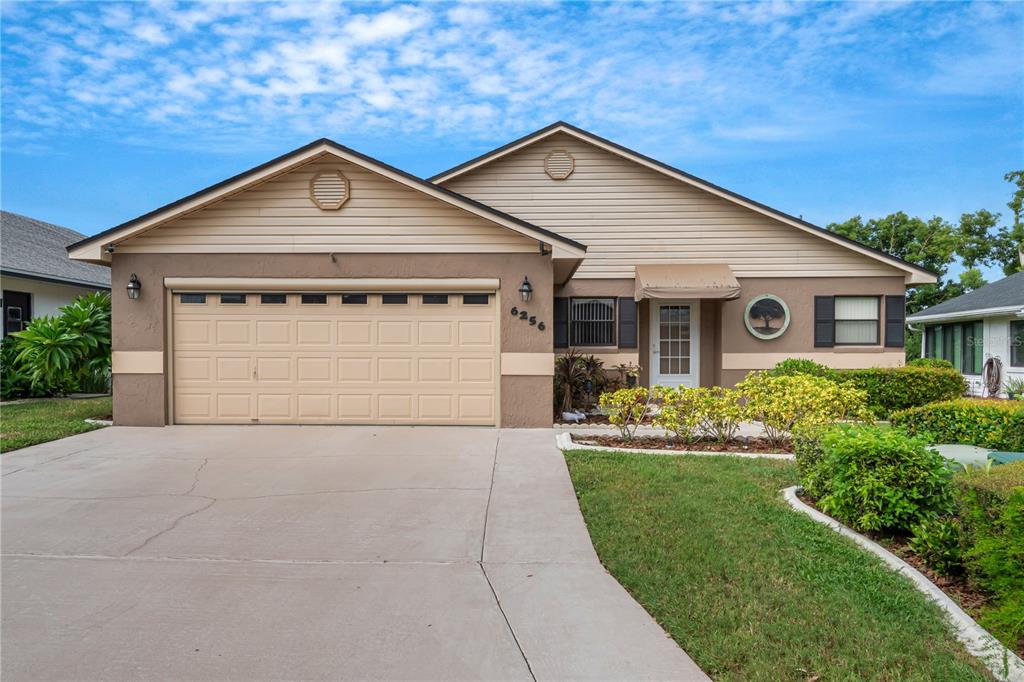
(824, 321)
(561, 322)
(627, 322)
(895, 321)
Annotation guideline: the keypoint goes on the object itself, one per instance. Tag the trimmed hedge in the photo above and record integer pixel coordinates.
(996, 424)
(991, 514)
(898, 388)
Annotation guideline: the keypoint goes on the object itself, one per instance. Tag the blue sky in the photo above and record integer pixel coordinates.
(822, 109)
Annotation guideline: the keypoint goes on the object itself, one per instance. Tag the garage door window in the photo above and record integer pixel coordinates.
(273, 299)
(233, 299)
(475, 299)
(395, 299)
(314, 299)
(353, 299)
(193, 299)
(435, 299)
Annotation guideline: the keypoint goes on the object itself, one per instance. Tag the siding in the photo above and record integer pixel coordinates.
(278, 216)
(627, 214)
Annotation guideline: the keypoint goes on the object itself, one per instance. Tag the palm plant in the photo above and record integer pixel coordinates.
(569, 377)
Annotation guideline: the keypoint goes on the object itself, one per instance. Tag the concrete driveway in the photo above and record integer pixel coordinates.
(310, 552)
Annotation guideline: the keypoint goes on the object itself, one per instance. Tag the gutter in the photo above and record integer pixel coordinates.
(1015, 310)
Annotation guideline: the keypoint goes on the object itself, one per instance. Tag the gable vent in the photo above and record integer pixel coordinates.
(329, 190)
(559, 164)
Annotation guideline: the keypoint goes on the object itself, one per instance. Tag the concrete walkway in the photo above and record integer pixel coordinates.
(309, 553)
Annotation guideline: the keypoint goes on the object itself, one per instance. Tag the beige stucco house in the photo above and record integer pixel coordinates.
(327, 287)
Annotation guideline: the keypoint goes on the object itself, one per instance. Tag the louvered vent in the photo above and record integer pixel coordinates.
(329, 190)
(559, 165)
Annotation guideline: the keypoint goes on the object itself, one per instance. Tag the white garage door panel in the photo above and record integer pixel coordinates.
(412, 363)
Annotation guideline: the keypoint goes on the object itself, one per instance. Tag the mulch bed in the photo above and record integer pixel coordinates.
(593, 420)
(956, 587)
(754, 445)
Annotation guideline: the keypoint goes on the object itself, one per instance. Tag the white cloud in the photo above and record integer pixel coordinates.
(385, 26)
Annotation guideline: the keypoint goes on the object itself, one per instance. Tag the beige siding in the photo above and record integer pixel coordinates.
(279, 216)
(627, 214)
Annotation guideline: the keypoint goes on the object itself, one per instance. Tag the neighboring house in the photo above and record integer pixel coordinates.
(969, 329)
(327, 287)
(36, 275)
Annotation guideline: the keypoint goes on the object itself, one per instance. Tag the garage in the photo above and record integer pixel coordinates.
(335, 357)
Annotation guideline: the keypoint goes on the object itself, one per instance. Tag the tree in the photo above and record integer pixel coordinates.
(1009, 242)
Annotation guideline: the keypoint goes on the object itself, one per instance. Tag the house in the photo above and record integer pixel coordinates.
(35, 273)
(325, 286)
(987, 323)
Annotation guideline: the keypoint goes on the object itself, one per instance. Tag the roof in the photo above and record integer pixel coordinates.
(915, 273)
(294, 158)
(34, 249)
(1004, 296)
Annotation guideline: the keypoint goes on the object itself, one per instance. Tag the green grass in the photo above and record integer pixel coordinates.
(39, 421)
(749, 588)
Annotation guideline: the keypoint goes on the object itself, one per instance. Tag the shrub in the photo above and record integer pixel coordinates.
(940, 541)
(15, 381)
(991, 508)
(996, 424)
(875, 480)
(721, 413)
(782, 403)
(569, 376)
(897, 388)
(792, 366)
(626, 408)
(808, 453)
(679, 411)
(930, 362)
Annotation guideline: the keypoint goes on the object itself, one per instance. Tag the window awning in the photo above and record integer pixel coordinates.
(694, 280)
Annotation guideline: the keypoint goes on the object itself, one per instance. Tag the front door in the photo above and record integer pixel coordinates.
(675, 355)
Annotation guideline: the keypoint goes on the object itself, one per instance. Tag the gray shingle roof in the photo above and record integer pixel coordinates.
(1005, 293)
(37, 249)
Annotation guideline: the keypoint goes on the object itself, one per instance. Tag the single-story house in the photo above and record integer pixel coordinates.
(35, 274)
(987, 323)
(325, 286)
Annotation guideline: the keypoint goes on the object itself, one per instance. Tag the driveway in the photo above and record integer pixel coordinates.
(310, 552)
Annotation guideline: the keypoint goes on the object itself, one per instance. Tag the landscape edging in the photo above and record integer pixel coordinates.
(564, 442)
(1001, 661)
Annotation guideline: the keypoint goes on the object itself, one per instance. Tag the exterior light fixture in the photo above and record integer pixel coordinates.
(134, 287)
(525, 290)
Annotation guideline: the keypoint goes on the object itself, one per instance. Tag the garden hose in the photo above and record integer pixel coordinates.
(992, 376)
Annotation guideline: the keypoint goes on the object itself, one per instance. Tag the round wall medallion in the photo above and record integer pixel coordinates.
(559, 164)
(329, 190)
(766, 317)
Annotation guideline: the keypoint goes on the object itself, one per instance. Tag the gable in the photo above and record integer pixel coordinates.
(280, 215)
(629, 209)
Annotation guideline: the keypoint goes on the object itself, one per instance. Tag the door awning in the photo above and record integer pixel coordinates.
(693, 280)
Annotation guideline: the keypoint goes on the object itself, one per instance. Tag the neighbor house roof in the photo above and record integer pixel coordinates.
(914, 273)
(92, 247)
(36, 250)
(1005, 297)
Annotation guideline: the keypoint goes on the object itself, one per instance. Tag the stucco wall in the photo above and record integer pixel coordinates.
(141, 325)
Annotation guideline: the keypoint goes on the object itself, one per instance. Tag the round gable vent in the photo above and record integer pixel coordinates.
(329, 190)
(559, 164)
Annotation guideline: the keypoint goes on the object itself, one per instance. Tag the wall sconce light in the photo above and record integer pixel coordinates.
(134, 287)
(525, 290)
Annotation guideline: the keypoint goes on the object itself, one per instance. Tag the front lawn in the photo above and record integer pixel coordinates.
(749, 588)
(39, 421)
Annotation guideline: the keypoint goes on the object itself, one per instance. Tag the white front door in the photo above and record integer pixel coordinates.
(675, 328)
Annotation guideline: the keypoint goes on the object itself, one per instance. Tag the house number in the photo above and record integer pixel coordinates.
(525, 315)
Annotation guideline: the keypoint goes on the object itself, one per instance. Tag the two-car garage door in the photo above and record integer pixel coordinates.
(320, 358)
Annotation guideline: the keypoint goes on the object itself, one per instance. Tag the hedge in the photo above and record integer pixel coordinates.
(991, 513)
(898, 388)
(996, 424)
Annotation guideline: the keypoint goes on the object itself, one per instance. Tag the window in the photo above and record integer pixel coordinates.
(394, 299)
(592, 322)
(193, 298)
(475, 299)
(233, 299)
(856, 320)
(353, 299)
(314, 299)
(961, 343)
(273, 299)
(1016, 344)
(435, 299)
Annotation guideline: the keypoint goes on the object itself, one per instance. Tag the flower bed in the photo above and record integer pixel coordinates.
(752, 445)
